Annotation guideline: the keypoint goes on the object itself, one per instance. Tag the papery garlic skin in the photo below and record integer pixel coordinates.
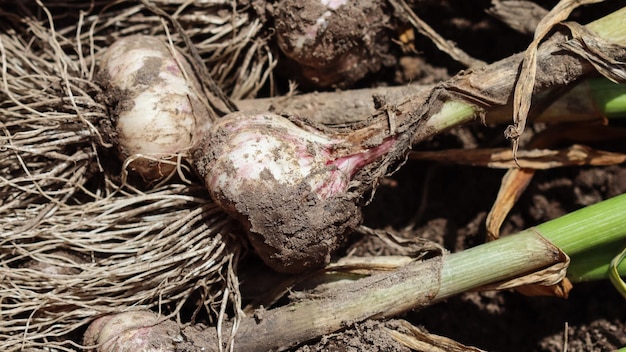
(270, 150)
(286, 183)
(154, 103)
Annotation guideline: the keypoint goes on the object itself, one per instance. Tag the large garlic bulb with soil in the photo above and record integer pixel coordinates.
(154, 101)
(333, 42)
(287, 183)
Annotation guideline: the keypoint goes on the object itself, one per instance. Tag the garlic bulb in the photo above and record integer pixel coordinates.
(287, 183)
(333, 43)
(154, 102)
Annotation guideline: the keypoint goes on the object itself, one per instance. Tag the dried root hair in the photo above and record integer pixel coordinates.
(76, 242)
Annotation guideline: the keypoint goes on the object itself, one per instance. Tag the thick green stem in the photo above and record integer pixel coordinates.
(594, 264)
(589, 100)
(608, 97)
(426, 282)
(579, 231)
(495, 261)
(493, 84)
(611, 26)
(383, 295)
(594, 225)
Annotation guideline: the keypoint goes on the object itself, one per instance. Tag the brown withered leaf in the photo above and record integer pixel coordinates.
(549, 281)
(560, 289)
(538, 159)
(513, 185)
(522, 16)
(402, 9)
(420, 340)
(606, 57)
(515, 181)
(526, 79)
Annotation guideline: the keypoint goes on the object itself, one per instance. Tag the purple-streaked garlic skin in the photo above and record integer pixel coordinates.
(263, 149)
(155, 103)
(288, 184)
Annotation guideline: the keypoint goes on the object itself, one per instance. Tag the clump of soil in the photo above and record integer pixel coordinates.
(296, 235)
(333, 43)
(367, 336)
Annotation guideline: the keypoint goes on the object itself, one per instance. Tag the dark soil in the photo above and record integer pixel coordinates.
(448, 204)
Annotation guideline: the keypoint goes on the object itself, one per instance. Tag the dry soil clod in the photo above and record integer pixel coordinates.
(334, 42)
